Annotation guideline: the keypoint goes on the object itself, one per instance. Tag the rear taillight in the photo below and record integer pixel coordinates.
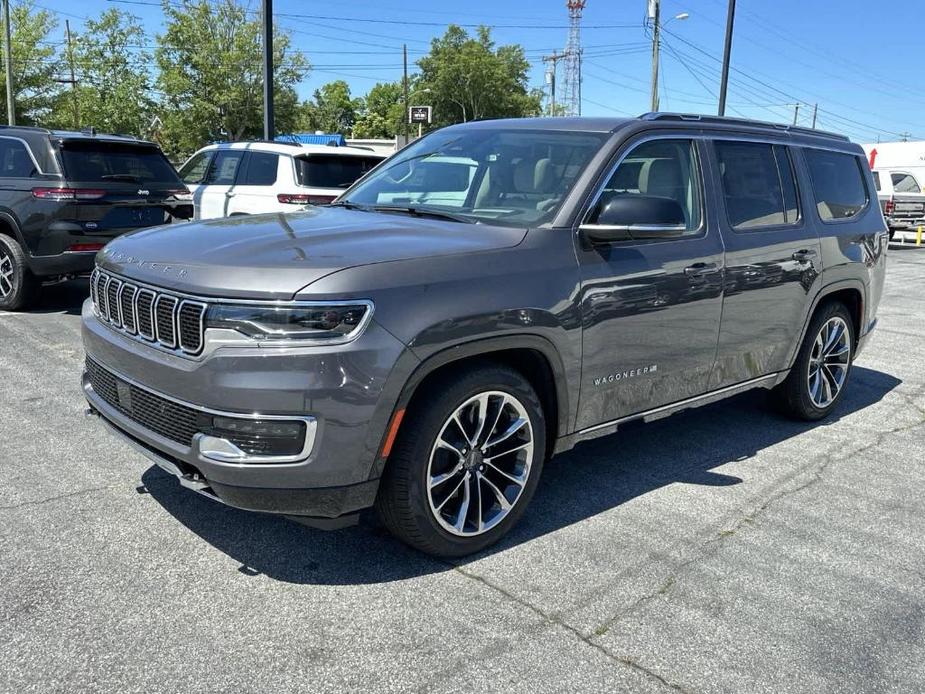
(84, 247)
(68, 193)
(889, 206)
(304, 199)
(181, 194)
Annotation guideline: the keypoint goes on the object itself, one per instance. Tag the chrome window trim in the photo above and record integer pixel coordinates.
(38, 169)
(702, 228)
(173, 320)
(311, 423)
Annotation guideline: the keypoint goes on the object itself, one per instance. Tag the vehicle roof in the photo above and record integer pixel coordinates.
(27, 130)
(293, 148)
(690, 120)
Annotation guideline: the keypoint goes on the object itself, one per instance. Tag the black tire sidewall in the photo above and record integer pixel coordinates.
(432, 417)
(25, 284)
(801, 367)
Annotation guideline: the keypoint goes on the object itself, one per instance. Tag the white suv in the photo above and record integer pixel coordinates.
(252, 177)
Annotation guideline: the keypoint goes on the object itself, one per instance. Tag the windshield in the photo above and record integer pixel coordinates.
(95, 161)
(332, 170)
(499, 176)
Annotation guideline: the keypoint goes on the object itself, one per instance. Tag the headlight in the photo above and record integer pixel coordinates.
(323, 322)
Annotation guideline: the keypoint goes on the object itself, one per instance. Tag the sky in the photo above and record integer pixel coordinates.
(860, 61)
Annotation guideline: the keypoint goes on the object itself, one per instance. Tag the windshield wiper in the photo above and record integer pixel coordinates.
(423, 212)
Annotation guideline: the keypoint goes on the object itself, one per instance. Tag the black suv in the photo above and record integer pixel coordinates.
(64, 195)
(490, 295)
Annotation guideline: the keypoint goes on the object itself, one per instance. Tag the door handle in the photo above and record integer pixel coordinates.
(804, 254)
(698, 269)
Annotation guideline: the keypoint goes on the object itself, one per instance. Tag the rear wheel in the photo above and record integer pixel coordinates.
(467, 463)
(819, 376)
(18, 286)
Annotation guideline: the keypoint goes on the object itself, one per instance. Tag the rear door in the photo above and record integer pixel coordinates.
(773, 254)
(254, 190)
(216, 192)
(119, 185)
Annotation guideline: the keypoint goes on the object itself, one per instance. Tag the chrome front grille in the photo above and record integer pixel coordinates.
(153, 316)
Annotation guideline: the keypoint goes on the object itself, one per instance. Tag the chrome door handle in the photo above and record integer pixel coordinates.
(804, 254)
(698, 269)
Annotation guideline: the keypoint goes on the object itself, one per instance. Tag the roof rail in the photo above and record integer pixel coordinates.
(723, 120)
(272, 142)
(26, 127)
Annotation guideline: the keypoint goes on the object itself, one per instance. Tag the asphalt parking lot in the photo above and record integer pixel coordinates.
(720, 550)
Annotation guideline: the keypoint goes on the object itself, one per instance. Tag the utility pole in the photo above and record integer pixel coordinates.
(654, 11)
(269, 127)
(815, 111)
(8, 64)
(404, 86)
(727, 50)
(553, 61)
(796, 112)
(905, 136)
(70, 59)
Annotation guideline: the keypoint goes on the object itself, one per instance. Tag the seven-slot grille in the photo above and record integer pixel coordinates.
(158, 317)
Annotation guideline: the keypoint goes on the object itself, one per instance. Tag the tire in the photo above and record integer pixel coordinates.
(805, 397)
(19, 288)
(427, 518)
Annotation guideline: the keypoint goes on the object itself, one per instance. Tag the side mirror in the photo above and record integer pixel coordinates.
(624, 217)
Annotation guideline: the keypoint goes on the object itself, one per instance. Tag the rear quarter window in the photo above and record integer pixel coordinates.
(332, 170)
(15, 160)
(838, 184)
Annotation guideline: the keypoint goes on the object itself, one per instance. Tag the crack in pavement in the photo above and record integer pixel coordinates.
(708, 548)
(39, 502)
(556, 621)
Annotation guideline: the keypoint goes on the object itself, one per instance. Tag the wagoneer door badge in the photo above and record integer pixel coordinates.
(624, 375)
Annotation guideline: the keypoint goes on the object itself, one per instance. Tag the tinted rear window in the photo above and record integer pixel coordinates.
(94, 161)
(837, 183)
(758, 184)
(332, 170)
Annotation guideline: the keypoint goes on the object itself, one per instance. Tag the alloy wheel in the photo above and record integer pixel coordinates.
(829, 362)
(480, 463)
(6, 274)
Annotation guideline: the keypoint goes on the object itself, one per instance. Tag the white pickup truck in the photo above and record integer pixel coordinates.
(901, 199)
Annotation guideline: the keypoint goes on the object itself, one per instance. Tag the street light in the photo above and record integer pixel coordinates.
(654, 11)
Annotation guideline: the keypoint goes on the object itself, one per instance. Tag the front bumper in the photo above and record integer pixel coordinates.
(339, 388)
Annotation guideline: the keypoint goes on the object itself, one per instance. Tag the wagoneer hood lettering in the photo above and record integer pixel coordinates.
(275, 255)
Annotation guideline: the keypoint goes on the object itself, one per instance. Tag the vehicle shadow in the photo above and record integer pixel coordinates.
(65, 297)
(596, 476)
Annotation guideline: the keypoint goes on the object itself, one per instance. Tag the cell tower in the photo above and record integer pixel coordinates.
(571, 101)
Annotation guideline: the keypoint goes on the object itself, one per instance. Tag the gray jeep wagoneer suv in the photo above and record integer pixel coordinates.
(485, 298)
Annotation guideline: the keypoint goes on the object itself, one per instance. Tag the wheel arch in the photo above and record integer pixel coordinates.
(852, 293)
(535, 357)
(10, 227)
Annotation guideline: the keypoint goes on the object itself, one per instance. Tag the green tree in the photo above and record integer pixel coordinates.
(35, 64)
(469, 78)
(210, 74)
(332, 109)
(113, 91)
(384, 112)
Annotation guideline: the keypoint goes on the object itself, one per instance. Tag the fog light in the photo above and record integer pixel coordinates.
(230, 439)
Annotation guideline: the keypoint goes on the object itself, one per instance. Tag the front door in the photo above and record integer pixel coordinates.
(651, 308)
(772, 259)
(218, 189)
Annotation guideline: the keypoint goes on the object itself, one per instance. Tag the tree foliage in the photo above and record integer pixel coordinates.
(383, 112)
(210, 74)
(113, 91)
(35, 64)
(469, 78)
(332, 109)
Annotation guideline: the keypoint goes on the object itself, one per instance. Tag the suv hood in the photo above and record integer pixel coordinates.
(276, 255)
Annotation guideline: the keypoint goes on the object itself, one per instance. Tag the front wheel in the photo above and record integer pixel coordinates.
(820, 373)
(467, 462)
